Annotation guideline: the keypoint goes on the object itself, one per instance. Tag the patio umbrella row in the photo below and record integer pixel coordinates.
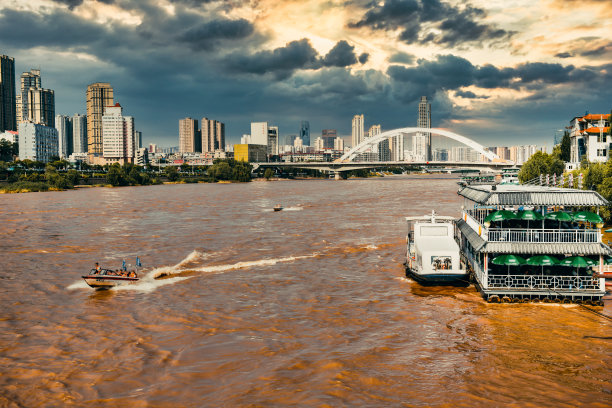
(547, 260)
(530, 215)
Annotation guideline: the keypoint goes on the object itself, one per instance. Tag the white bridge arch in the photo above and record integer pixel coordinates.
(371, 141)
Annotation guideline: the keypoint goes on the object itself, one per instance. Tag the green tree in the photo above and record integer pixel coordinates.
(7, 150)
(115, 176)
(268, 174)
(540, 163)
(55, 179)
(171, 173)
(565, 147)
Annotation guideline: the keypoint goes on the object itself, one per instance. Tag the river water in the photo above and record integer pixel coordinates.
(304, 307)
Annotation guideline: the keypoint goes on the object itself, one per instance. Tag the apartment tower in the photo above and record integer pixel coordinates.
(79, 133)
(213, 135)
(357, 130)
(35, 104)
(117, 135)
(8, 115)
(188, 135)
(99, 96)
(422, 141)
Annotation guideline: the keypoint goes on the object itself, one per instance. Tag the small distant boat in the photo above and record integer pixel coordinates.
(278, 207)
(432, 253)
(104, 279)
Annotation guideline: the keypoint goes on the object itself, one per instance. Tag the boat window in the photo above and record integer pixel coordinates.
(441, 262)
(434, 231)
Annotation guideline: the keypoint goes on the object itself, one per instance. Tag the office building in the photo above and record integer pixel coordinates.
(8, 112)
(99, 95)
(328, 136)
(289, 139)
(245, 139)
(37, 142)
(117, 136)
(35, 104)
(251, 153)
(141, 156)
(137, 139)
(79, 133)
(357, 130)
(273, 140)
(421, 142)
(305, 133)
(64, 127)
(298, 144)
(213, 135)
(189, 138)
(319, 144)
(259, 133)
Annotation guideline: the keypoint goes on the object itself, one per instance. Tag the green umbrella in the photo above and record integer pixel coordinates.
(558, 216)
(508, 260)
(542, 260)
(500, 215)
(608, 261)
(587, 216)
(529, 215)
(577, 261)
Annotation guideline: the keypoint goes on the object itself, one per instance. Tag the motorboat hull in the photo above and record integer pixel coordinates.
(104, 282)
(450, 279)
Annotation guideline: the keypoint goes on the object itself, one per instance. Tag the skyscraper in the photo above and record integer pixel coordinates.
(79, 133)
(357, 130)
(188, 133)
(213, 135)
(64, 127)
(328, 136)
(305, 133)
(35, 104)
(422, 141)
(137, 139)
(273, 140)
(259, 133)
(117, 135)
(99, 96)
(37, 142)
(8, 116)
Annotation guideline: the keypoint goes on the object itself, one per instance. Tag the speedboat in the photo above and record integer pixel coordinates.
(278, 207)
(107, 279)
(432, 254)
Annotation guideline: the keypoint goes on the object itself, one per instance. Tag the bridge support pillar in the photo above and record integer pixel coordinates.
(339, 175)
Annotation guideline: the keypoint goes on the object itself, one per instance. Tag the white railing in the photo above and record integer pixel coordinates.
(480, 274)
(542, 235)
(538, 283)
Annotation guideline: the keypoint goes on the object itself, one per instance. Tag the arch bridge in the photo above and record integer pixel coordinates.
(374, 140)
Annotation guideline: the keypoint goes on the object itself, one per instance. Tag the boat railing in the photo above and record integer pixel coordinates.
(538, 283)
(478, 271)
(542, 235)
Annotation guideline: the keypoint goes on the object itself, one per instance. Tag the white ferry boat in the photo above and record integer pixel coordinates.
(432, 253)
(531, 243)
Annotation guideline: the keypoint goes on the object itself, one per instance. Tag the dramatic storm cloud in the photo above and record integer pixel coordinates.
(492, 73)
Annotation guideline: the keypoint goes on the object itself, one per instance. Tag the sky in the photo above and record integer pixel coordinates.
(501, 72)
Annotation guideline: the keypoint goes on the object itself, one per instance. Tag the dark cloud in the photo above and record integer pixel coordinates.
(364, 57)
(341, 55)
(402, 58)
(469, 95)
(206, 35)
(564, 55)
(424, 21)
(281, 61)
(75, 3)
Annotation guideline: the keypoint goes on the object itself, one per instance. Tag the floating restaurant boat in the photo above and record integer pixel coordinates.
(492, 225)
(432, 252)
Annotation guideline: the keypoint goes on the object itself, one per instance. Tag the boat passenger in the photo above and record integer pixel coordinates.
(97, 268)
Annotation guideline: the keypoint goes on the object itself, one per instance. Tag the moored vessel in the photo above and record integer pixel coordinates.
(432, 253)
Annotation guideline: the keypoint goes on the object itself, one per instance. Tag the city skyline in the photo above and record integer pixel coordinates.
(492, 70)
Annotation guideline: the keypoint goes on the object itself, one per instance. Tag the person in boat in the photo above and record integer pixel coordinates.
(97, 269)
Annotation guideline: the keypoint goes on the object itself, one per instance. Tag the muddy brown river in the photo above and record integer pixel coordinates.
(240, 306)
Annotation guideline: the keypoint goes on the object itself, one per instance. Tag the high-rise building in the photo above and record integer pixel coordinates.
(79, 133)
(339, 144)
(259, 133)
(8, 115)
(273, 140)
(34, 103)
(328, 136)
(421, 142)
(213, 135)
(357, 130)
(37, 142)
(64, 127)
(188, 135)
(305, 132)
(319, 144)
(137, 139)
(117, 135)
(99, 95)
